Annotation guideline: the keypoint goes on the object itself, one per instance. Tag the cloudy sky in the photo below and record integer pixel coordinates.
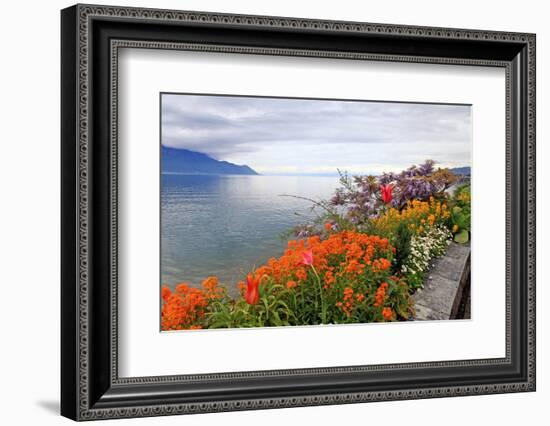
(297, 136)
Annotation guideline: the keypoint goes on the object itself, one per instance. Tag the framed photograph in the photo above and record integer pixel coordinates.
(263, 212)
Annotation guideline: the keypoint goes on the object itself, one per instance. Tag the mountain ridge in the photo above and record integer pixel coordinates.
(186, 161)
(462, 171)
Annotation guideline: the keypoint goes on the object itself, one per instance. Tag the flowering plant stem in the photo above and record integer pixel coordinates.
(323, 308)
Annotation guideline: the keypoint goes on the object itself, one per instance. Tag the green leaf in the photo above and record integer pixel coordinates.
(462, 221)
(275, 319)
(462, 237)
(457, 210)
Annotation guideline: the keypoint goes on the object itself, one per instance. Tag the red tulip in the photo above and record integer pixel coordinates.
(307, 258)
(386, 191)
(252, 293)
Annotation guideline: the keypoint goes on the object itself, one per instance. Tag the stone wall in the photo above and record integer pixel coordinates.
(446, 291)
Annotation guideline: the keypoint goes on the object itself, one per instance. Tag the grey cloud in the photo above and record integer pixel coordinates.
(228, 127)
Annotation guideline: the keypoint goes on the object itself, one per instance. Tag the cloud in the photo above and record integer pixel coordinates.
(274, 135)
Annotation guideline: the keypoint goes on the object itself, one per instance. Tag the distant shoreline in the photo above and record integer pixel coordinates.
(334, 175)
(258, 174)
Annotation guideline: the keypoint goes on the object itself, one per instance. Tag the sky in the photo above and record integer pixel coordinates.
(309, 136)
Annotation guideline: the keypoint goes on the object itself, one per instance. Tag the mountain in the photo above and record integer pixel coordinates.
(461, 171)
(175, 160)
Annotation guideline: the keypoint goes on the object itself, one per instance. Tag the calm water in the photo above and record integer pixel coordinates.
(227, 225)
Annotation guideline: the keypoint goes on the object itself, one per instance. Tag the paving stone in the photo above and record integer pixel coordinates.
(425, 313)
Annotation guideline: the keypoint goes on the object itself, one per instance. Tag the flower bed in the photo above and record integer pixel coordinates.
(359, 262)
(344, 278)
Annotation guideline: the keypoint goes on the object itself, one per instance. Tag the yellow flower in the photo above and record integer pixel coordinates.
(455, 228)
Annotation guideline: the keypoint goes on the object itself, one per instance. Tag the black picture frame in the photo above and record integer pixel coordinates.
(90, 386)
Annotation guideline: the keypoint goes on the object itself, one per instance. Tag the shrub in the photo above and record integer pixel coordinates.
(424, 247)
(417, 216)
(364, 197)
(427, 236)
(402, 243)
(461, 214)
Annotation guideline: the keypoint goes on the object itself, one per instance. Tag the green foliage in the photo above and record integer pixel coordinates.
(271, 310)
(461, 214)
(462, 237)
(415, 280)
(399, 299)
(402, 244)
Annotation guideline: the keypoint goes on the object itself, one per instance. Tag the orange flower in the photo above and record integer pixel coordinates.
(210, 283)
(387, 313)
(354, 267)
(380, 296)
(252, 292)
(329, 277)
(183, 308)
(381, 264)
(291, 284)
(182, 288)
(346, 305)
(165, 293)
(301, 274)
(347, 254)
(211, 289)
(328, 226)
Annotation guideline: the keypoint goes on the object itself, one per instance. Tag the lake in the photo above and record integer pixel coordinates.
(227, 225)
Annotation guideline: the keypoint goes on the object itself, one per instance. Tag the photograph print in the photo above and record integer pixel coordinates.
(302, 212)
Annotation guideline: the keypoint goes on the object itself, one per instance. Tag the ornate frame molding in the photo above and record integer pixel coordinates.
(78, 24)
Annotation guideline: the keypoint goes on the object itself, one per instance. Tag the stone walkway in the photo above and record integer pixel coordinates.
(444, 287)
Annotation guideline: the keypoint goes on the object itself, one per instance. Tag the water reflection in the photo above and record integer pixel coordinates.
(226, 225)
